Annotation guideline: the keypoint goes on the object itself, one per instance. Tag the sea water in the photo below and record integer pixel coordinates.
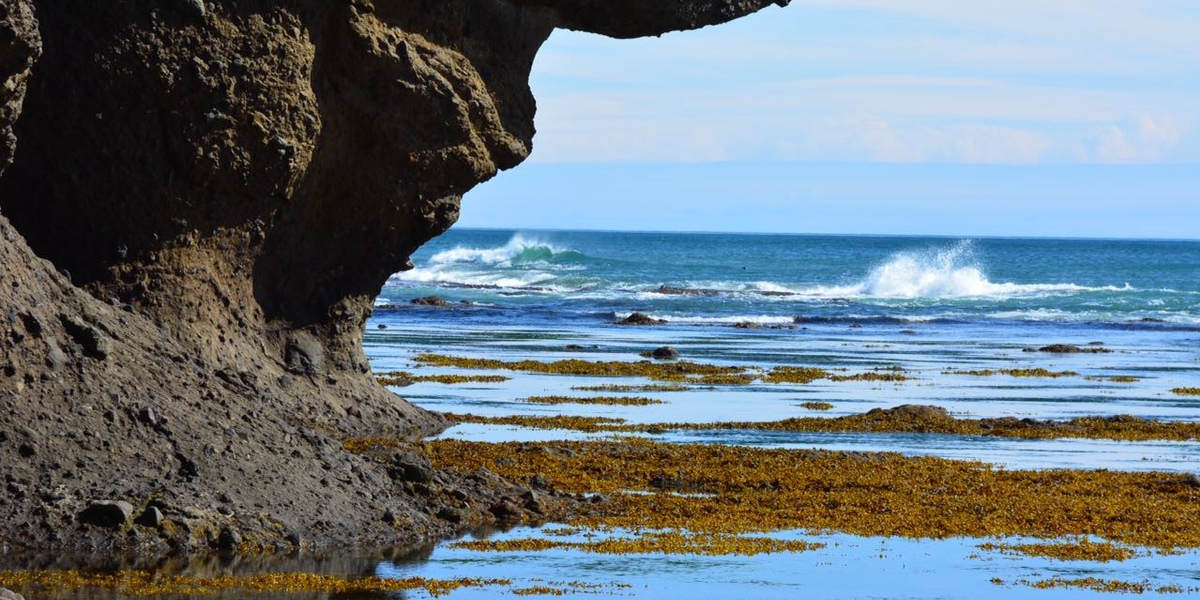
(933, 307)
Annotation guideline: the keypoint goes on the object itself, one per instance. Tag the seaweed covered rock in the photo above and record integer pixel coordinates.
(205, 198)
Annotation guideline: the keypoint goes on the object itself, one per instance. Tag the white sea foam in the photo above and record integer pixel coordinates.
(952, 272)
(507, 279)
(726, 320)
(516, 246)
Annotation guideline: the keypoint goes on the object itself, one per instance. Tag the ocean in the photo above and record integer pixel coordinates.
(941, 310)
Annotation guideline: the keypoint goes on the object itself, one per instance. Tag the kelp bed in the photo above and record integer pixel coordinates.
(903, 419)
(714, 489)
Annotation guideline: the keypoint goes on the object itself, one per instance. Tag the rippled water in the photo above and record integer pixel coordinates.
(928, 306)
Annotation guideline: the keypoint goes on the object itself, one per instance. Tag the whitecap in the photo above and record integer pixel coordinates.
(517, 246)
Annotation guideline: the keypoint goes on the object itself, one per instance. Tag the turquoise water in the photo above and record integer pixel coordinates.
(928, 306)
(772, 278)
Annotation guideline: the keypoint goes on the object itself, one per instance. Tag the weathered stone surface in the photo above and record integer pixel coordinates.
(205, 197)
(20, 46)
(7, 594)
(151, 517)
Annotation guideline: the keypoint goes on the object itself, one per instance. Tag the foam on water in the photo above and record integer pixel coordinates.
(723, 320)
(474, 277)
(943, 273)
(518, 249)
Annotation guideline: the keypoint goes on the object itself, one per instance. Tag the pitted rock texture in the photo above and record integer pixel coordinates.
(205, 198)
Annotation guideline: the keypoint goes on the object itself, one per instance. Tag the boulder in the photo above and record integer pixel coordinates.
(429, 301)
(640, 318)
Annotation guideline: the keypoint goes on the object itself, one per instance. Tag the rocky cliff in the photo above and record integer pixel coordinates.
(199, 202)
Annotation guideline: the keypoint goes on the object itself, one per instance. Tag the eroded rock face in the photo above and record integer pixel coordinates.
(204, 201)
(20, 45)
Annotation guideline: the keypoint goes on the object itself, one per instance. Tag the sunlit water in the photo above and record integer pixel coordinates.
(928, 306)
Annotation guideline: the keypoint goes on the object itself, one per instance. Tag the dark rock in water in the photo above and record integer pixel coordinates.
(506, 512)
(229, 539)
(429, 301)
(381, 326)
(534, 502)
(640, 318)
(1071, 349)
(746, 325)
(910, 417)
(676, 291)
(573, 347)
(107, 513)
(664, 353)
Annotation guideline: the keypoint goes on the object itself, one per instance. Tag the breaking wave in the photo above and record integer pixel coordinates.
(517, 250)
(953, 272)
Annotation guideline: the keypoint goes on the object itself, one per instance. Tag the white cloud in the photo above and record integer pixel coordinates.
(1143, 138)
(987, 81)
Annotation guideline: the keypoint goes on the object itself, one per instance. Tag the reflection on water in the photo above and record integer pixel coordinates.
(933, 355)
(847, 566)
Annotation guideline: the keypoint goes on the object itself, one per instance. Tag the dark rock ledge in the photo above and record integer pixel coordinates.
(199, 202)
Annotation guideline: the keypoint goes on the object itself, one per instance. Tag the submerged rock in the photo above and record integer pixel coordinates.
(1070, 349)
(429, 301)
(640, 318)
(664, 353)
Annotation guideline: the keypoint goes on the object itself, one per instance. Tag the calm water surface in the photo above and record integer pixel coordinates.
(928, 306)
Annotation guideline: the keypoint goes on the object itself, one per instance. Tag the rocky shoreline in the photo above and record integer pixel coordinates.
(198, 203)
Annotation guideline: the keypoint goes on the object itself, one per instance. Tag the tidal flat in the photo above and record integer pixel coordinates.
(776, 461)
(1009, 473)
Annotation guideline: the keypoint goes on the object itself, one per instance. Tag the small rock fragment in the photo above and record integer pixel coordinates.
(151, 517)
(429, 301)
(640, 318)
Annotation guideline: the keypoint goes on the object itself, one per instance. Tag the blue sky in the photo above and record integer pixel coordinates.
(872, 116)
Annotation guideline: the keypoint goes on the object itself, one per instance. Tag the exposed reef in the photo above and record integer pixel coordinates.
(199, 202)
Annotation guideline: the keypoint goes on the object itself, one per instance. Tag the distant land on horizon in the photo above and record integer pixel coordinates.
(1160, 201)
